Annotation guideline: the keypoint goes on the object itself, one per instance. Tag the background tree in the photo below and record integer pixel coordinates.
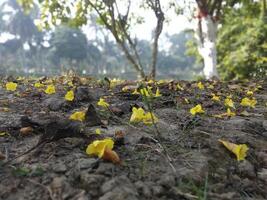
(55, 12)
(242, 42)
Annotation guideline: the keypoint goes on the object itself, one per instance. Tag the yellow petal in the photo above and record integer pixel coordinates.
(197, 109)
(98, 147)
(50, 89)
(78, 116)
(158, 93)
(229, 102)
(240, 150)
(102, 103)
(147, 118)
(69, 96)
(200, 86)
(38, 85)
(98, 131)
(10, 86)
(137, 115)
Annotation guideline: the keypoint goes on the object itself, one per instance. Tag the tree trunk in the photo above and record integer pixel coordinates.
(205, 33)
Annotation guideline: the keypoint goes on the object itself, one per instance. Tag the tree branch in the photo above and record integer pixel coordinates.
(156, 7)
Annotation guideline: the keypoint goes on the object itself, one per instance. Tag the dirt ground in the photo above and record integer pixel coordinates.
(182, 160)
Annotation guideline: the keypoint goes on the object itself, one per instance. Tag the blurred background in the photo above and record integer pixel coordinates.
(91, 50)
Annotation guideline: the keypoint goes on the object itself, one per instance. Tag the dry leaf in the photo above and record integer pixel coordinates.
(26, 131)
(110, 155)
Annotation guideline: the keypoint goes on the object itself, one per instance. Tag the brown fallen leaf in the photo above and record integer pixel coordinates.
(26, 131)
(112, 156)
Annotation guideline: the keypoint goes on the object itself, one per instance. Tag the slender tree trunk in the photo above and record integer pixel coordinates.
(156, 7)
(206, 36)
(264, 13)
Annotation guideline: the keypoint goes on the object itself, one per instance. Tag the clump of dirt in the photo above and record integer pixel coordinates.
(180, 158)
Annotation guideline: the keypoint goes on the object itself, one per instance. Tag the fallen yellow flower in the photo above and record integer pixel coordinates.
(197, 109)
(230, 113)
(249, 93)
(137, 115)
(98, 147)
(179, 87)
(98, 131)
(145, 92)
(248, 102)
(38, 85)
(11, 86)
(229, 102)
(102, 103)
(240, 150)
(215, 98)
(78, 116)
(69, 96)
(50, 89)
(158, 93)
(149, 118)
(135, 92)
(200, 85)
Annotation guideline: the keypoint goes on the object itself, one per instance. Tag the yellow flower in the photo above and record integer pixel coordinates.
(50, 89)
(229, 102)
(38, 85)
(179, 87)
(98, 147)
(248, 102)
(210, 86)
(98, 131)
(200, 85)
(150, 82)
(230, 113)
(147, 118)
(70, 84)
(161, 82)
(69, 96)
(158, 93)
(215, 98)
(78, 116)
(144, 92)
(11, 86)
(135, 92)
(102, 103)
(249, 93)
(137, 115)
(197, 109)
(240, 150)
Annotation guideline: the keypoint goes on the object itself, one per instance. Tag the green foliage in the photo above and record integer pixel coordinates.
(242, 51)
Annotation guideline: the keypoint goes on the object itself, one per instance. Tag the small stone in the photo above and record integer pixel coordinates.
(143, 189)
(167, 180)
(86, 163)
(119, 188)
(84, 94)
(105, 168)
(54, 103)
(157, 190)
(91, 182)
(262, 175)
(246, 169)
(59, 168)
